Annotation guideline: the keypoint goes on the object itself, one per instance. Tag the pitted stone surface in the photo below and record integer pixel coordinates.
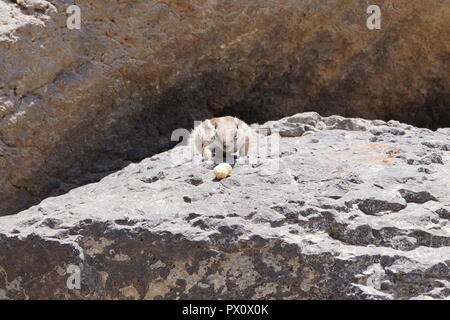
(333, 214)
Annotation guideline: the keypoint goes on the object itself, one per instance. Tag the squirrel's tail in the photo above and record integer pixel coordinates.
(201, 135)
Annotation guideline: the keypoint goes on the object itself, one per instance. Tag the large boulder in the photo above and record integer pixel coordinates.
(78, 104)
(334, 213)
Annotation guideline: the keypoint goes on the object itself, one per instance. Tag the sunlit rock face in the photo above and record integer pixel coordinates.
(78, 104)
(324, 208)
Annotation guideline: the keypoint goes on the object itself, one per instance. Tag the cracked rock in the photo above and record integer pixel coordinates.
(340, 218)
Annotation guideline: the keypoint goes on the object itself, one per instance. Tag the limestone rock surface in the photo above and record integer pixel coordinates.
(347, 209)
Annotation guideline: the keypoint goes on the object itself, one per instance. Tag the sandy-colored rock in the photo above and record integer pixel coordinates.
(77, 104)
(222, 170)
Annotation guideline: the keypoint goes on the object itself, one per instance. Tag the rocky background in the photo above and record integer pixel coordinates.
(76, 105)
(343, 209)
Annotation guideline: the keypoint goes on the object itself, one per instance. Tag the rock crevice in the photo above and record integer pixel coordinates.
(78, 104)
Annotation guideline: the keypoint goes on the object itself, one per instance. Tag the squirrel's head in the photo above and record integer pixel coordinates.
(226, 135)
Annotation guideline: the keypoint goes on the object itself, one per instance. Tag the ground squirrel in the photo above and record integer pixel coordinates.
(221, 135)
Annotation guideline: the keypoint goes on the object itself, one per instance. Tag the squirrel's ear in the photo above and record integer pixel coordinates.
(210, 124)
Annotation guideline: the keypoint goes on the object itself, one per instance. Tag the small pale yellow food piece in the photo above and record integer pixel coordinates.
(222, 170)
